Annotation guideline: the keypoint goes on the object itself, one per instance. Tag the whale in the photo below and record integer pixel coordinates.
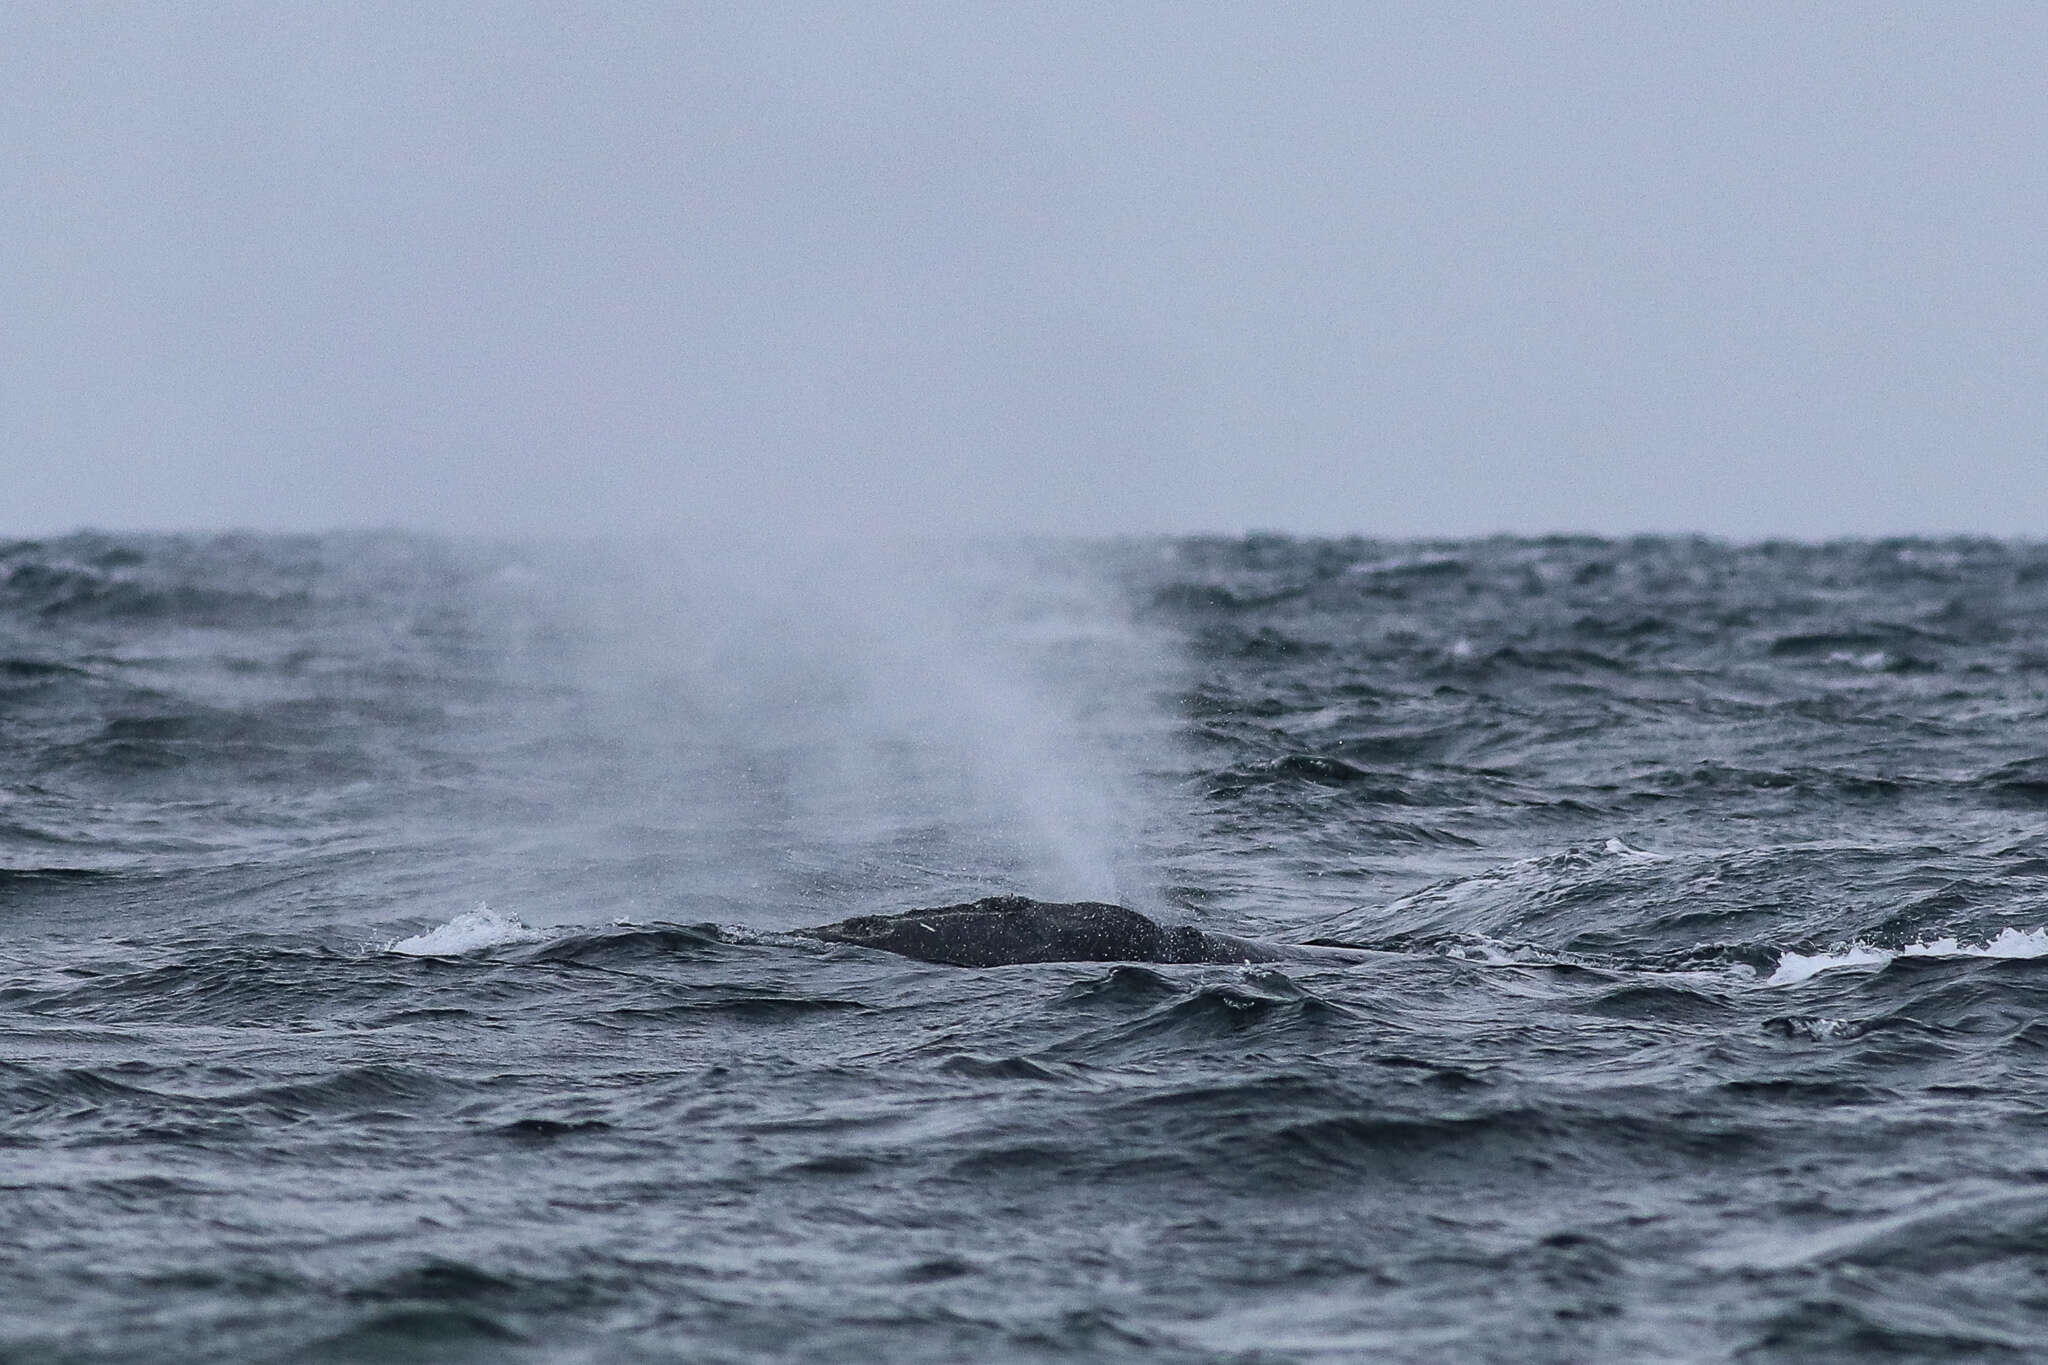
(1009, 931)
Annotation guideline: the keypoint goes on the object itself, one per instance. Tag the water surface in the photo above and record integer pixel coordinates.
(395, 963)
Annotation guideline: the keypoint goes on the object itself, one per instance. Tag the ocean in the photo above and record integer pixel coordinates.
(398, 958)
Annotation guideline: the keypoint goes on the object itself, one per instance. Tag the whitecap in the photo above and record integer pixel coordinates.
(1794, 968)
(472, 931)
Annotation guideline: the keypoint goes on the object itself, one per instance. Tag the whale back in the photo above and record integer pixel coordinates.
(1003, 931)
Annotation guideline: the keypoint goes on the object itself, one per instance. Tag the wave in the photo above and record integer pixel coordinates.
(1718, 967)
(483, 930)
(472, 931)
(1794, 968)
(625, 942)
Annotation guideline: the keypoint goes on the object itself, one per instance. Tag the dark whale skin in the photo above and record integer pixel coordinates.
(1005, 931)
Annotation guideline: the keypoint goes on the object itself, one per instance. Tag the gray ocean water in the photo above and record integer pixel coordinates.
(395, 960)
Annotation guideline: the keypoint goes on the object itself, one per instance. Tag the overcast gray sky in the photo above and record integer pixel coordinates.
(1401, 269)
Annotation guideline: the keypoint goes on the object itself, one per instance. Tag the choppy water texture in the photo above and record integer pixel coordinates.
(393, 965)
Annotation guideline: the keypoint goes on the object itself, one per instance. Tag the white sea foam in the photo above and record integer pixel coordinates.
(1487, 953)
(1794, 968)
(1820, 1030)
(469, 932)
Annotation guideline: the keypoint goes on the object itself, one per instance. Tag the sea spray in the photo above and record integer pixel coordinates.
(472, 931)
